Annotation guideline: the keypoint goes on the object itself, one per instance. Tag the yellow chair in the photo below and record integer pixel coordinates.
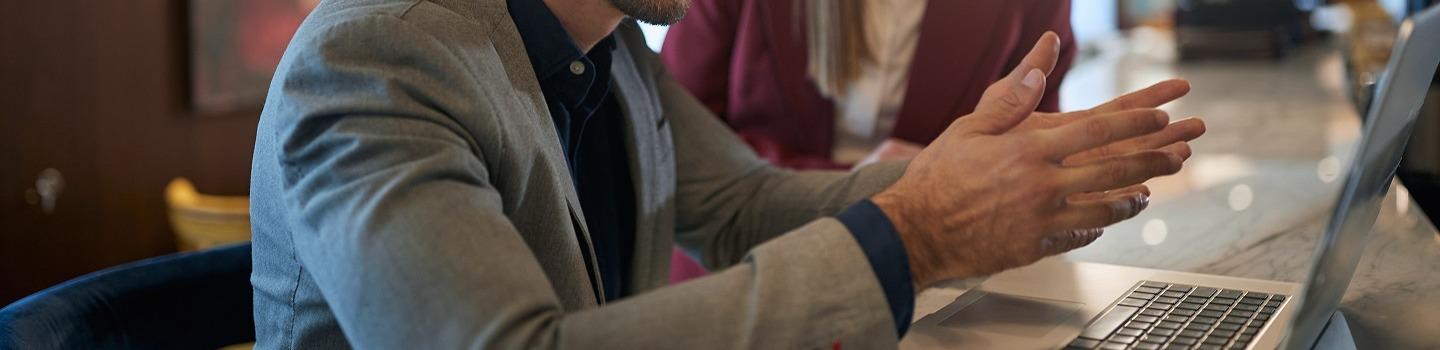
(202, 221)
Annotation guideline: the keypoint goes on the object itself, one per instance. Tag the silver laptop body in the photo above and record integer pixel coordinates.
(1060, 304)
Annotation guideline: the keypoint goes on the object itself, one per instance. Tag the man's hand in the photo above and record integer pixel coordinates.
(1001, 188)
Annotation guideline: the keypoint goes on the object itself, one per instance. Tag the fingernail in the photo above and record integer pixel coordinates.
(1033, 79)
(1141, 202)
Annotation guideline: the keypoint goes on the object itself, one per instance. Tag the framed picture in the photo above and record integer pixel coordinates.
(234, 48)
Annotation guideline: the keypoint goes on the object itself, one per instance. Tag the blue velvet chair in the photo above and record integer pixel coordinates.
(199, 300)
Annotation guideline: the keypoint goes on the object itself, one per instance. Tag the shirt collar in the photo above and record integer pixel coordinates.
(546, 42)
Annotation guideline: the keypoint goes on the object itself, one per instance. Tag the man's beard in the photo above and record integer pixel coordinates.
(657, 12)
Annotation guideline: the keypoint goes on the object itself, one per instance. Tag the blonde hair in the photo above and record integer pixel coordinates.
(836, 45)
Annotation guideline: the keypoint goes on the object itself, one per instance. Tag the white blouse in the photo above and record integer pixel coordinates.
(866, 115)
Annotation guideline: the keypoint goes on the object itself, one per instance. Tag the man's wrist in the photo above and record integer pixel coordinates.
(898, 211)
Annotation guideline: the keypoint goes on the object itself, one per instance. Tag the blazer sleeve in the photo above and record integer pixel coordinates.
(1042, 16)
(394, 214)
(698, 50)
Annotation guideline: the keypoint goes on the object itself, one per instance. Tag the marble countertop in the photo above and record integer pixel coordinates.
(1255, 198)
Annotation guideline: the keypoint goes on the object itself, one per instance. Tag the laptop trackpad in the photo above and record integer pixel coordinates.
(1012, 315)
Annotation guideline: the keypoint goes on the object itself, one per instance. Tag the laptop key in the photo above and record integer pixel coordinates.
(1185, 340)
(1216, 308)
(1146, 319)
(1257, 295)
(1214, 340)
(1211, 314)
(1234, 320)
(1192, 334)
(1082, 343)
(1181, 287)
(1168, 325)
(1247, 307)
(1147, 346)
(1122, 339)
(1173, 294)
(1183, 312)
(1176, 347)
(1188, 306)
(1206, 320)
(1166, 300)
(1208, 347)
(1204, 292)
(1139, 295)
(1197, 300)
(1222, 333)
(1153, 284)
(1252, 301)
(1129, 332)
(1113, 346)
(1180, 319)
(1262, 317)
(1273, 303)
(1151, 290)
(1268, 310)
(1244, 339)
(1162, 332)
(1223, 301)
(1245, 314)
(1138, 325)
(1277, 297)
(1152, 312)
(1229, 293)
(1107, 323)
(1228, 327)
(1251, 330)
(1197, 327)
(1138, 303)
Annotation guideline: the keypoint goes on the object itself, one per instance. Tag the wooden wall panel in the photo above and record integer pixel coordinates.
(98, 90)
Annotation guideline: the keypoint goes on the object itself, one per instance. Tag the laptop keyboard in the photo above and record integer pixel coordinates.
(1159, 315)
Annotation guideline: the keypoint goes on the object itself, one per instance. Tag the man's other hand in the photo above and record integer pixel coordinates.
(1004, 186)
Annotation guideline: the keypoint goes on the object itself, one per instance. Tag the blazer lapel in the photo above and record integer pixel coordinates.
(525, 84)
(944, 63)
(641, 113)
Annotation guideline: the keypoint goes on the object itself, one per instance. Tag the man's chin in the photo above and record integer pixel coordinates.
(657, 12)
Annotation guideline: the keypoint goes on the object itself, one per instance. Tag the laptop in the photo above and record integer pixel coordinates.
(1073, 305)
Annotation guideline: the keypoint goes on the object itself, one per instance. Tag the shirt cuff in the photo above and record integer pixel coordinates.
(891, 264)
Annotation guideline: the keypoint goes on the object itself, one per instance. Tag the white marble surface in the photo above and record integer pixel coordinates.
(1255, 197)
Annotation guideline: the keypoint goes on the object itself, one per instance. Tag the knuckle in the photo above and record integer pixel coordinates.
(1096, 129)
(1104, 152)
(1011, 99)
(1117, 171)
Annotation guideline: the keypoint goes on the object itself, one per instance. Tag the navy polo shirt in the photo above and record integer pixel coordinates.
(589, 123)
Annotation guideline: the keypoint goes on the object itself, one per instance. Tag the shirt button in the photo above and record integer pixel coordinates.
(577, 67)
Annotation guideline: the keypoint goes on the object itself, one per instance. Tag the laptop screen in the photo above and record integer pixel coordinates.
(1397, 101)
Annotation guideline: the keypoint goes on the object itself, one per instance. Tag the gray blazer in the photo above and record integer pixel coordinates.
(409, 192)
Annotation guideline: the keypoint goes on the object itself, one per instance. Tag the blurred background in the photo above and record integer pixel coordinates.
(128, 126)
